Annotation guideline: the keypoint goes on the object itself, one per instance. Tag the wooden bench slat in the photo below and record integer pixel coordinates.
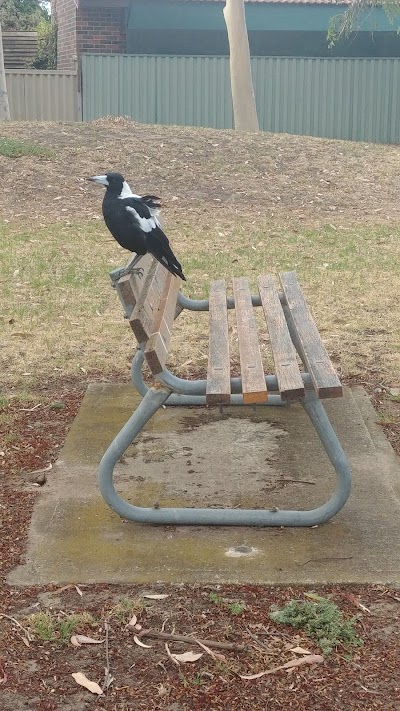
(156, 350)
(284, 353)
(323, 375)
(218, 372)
(129, 287)
(143, 315)
(253, 379)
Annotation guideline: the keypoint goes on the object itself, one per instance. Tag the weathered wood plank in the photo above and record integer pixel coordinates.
(129, 287)
(253, 379)
(218, 372)
(323, 375)
(156, 350)
(284, 353)
(143, 315)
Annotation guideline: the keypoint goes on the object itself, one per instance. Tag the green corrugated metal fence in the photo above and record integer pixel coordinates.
(357, 99)
(41, 95)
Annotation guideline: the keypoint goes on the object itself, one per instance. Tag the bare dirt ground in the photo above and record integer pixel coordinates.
(287, 177)
(298, 182)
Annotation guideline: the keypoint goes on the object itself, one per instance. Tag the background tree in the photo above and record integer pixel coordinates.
(244, 105)
(46, 55)
(23, 15)
(4, 105)
(341, 26)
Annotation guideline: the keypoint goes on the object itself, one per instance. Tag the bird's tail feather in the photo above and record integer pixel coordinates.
(172, 266)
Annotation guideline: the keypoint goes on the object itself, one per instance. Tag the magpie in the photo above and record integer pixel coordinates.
(133, 222)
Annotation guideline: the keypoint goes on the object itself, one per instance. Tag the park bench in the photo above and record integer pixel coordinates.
(151, 303)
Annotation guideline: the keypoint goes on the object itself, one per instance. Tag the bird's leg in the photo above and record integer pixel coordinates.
(117, 274)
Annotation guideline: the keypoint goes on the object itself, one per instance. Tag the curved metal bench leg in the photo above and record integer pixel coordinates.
(153, 399)
(316, 412)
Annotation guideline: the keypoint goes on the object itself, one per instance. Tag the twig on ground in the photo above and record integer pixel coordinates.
(320, 560)
(27, 633)
(260, 644)
(108, 678)
(229, 646)
(296, 481)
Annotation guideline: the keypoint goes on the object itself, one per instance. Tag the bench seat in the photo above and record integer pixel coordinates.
(303, 372)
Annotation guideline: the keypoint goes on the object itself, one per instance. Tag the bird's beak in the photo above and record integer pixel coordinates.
(99, 179)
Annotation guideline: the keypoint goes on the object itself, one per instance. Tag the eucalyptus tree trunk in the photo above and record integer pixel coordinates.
(4, 105)
(244, 105)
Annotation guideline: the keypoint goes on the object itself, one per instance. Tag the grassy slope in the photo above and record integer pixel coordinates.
(223, 217)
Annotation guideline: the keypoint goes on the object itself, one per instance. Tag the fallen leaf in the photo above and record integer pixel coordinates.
(187, 656)
(42, 471)
(132, 621)
(140, 643)
(355, 601)
(3, 677)
(395, 392)
(151, 596)
(91, 686)
(310, 659)
(171, 656)
(214, 655)
(78, 639)
(299, 650)
(79, 591)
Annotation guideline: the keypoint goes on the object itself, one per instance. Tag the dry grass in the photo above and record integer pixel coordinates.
(236, 205)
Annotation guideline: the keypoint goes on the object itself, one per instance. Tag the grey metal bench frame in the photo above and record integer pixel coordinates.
(172, 390)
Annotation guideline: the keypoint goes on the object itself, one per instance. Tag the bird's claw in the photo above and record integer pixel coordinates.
(117, 274)
(139, 271)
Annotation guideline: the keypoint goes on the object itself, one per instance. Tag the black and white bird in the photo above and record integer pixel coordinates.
(133, 222)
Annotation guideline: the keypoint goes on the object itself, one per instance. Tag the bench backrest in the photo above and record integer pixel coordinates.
(149, 303)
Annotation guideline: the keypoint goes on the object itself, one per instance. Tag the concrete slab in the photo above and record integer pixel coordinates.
(261, 457)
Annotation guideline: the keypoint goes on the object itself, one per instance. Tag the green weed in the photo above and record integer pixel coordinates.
(125, 608)
(56, 405)
(49, 627)
(322, 620)
(234, 608)
(13, 148)
(215, 598)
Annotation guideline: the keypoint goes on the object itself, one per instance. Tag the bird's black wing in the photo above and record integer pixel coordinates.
(157, 242)
(152, 201)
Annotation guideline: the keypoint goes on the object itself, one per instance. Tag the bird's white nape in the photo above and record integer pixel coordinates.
(126, 191)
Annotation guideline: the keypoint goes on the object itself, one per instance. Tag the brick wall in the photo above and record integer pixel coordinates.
(101, 30)
(65, 13)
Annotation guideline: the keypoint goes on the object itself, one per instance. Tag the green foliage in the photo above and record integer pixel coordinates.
(57, 405)
(22, 15)
(14, 148)
(46, 55)
(215, 598)
(341, 26)
(322, 620)
(48, 627)
(235, 608)
(125, 608)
